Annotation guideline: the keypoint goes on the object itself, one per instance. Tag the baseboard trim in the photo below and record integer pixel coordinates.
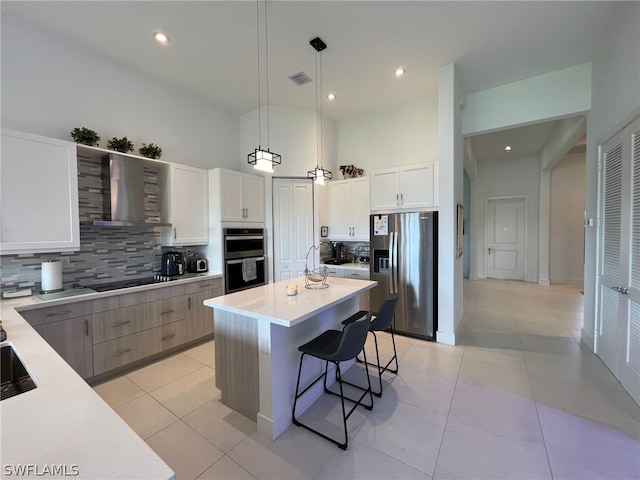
(544, 281)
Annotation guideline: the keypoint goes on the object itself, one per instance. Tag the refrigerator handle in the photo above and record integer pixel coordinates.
(395, 264)
(391, 263)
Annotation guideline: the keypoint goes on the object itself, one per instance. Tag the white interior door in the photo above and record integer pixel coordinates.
(618, 322)
(292, 226)
(505, 233)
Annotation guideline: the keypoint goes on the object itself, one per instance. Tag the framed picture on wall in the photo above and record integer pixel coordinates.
(459, 230)
(324, 231)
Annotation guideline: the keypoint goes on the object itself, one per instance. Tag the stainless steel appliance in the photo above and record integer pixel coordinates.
(197, 265)
(244, 263)
(404, 249)
(172, 263)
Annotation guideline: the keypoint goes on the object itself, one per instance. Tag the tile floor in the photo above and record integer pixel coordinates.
(517, 398)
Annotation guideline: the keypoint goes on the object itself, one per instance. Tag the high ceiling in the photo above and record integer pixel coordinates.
(213, 53)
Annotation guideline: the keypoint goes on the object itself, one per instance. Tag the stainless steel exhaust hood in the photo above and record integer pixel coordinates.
(124, 192)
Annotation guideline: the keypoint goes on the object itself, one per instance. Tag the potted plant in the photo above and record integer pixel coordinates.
(150, 151)
(122, 145)
(85, 136)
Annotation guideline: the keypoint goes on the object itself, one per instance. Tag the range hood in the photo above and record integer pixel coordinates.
(124, 193)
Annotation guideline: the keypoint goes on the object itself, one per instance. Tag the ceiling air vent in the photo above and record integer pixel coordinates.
(300, 78)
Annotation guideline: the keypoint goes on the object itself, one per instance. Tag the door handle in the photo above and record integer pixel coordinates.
(621, 289)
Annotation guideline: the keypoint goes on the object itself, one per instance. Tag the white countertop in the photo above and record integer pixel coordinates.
(350, 266)
(63, 421)
(28, 303)
(271, 302)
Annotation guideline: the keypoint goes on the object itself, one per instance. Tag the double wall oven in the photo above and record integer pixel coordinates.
(244, 265)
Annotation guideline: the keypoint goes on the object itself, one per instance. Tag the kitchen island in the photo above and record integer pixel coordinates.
(258, 332)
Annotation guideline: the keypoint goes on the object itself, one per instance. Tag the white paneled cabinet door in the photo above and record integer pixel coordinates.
(253, 195)
(349, 209)
(361, 208)
(618, 322)
(189, 205)
(231, 196)
(416, 186)
(340, 209)
(39, 194)
(292, 226)
(385, 185)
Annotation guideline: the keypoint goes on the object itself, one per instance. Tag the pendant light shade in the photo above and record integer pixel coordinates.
(260, 158)
(319, 174)
(263, 160)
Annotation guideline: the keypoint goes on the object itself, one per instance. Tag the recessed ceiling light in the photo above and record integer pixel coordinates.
(331, 96)
(507, 148)
(161, 38)
(399, 72)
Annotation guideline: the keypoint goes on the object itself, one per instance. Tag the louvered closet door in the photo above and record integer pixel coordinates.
(618, 325)
(630, 362)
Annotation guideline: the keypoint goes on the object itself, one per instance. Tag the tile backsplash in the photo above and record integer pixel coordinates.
(350, 248)
(105, 253)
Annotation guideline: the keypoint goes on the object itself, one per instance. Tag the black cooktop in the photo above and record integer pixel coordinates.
(337, 261)
(134, 282)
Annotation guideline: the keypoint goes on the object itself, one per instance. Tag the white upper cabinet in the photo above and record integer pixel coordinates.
(349, 209)
(404, 188)
(241, 196)
(253, 198)
(38, 194)
(189, 206)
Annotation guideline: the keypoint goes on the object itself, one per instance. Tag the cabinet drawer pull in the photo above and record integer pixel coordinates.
(64, 312)
(121, 352)
(117, 324)
(86, 327)
(168, 311)
(189, 303)
(167, 337)
(206, 285)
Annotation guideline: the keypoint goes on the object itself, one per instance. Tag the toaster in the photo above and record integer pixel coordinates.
(195, 265)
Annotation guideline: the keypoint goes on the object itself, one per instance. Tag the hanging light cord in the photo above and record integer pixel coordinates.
(319, 109)
(259, 99)
(266, 45)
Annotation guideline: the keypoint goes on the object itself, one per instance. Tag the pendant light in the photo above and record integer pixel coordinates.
(260, 158)
(319, 174)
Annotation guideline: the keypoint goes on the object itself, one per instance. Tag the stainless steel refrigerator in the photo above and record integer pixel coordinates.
(404, 262)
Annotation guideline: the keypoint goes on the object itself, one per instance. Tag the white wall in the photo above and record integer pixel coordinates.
(566, 93)
(566, 242)
(615, 97)
(517, 176)
(50, 86)
(400, 135)
(451, 146)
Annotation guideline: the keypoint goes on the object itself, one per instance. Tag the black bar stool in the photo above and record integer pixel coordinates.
(336, 346)
(383, 321)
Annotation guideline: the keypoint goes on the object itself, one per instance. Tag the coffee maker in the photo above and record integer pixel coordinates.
(337, 250)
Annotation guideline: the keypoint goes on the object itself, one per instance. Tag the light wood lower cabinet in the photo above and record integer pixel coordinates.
(72, 339)
(199, 317)
(114, 353)
(161, 338)
(116, 323)
(101, 335)
(162, 312)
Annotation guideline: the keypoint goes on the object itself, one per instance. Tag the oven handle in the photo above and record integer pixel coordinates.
(246, 237)
(234, 262)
